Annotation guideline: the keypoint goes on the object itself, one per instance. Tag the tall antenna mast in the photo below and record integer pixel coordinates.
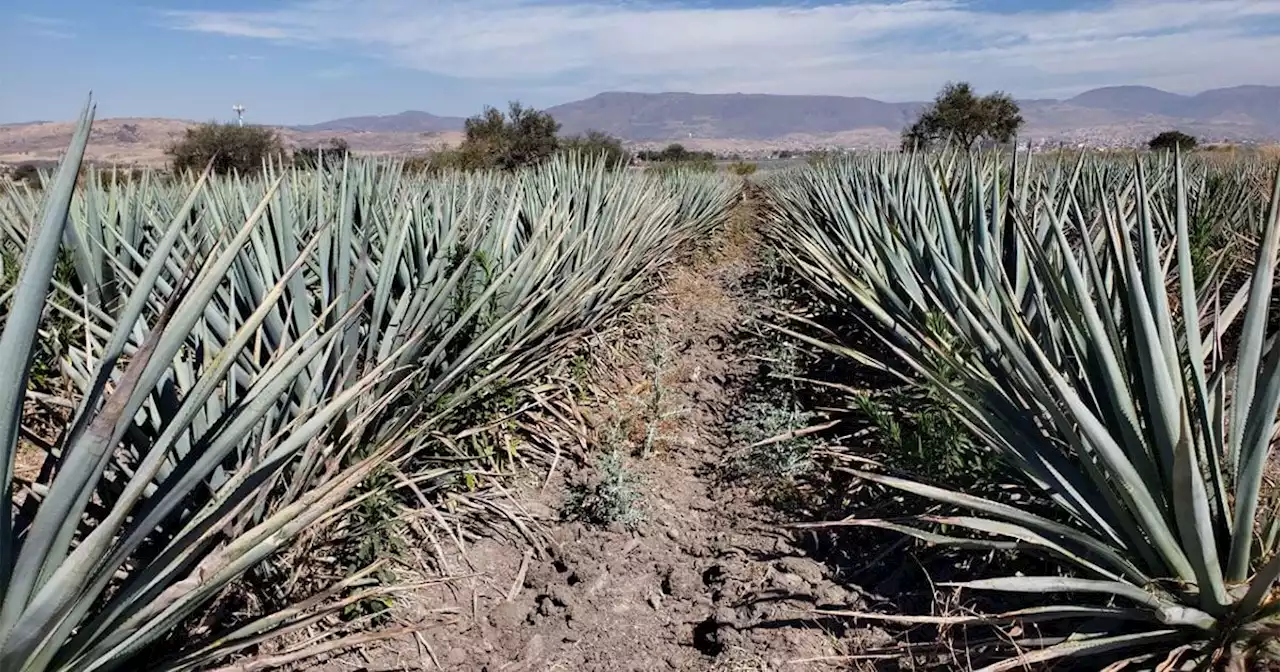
(239, 109)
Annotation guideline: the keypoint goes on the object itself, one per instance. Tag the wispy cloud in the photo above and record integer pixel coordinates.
(48, 26)
(336, 72)
(875, 47)
(42, 20)
(244, 57)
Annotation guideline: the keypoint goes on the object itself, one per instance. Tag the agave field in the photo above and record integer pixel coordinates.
(244, 353)
(1104, 328)
(245, 364)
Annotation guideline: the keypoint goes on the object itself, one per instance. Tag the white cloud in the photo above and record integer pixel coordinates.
(881, 48)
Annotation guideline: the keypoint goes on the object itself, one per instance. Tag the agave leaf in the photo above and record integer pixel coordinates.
(1195, 524)
(1029, 615)
(1013, 514)
(1093, 646)
(16, 344)
(1253, 424)
(1252, 335)
(1169, 612)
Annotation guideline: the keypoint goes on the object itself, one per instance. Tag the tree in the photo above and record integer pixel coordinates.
(596, 143)
(961, 118)
(522, 137)
(676, 152)
(330, 157)
(231, 148)
(1168, 140)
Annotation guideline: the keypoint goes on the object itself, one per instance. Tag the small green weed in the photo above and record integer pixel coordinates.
(377, 534)
(923, 437)
(612, 496)
(656, 407)
(921, 432)
(580, 373)
(770, 417)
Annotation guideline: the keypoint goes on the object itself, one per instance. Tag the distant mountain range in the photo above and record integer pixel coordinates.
(1242, 112)
(723, 123)
(410, 121)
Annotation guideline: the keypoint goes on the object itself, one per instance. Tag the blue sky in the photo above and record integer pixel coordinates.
(301, 61)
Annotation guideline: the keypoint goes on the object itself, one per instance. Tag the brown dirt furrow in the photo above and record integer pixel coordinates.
(703, 580)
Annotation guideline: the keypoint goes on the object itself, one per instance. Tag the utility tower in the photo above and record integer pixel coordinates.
(239, 109)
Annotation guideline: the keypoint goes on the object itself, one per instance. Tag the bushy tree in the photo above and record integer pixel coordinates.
(597, 143)
(231, 148)
(676, 157)
(329, 155)
(1168, 140)
(959, 117)
(675, 152)
(521, 137)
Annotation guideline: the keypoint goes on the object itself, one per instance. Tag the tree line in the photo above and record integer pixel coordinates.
(494, 139)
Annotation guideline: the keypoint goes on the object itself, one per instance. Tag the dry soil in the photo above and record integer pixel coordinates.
(707, 580)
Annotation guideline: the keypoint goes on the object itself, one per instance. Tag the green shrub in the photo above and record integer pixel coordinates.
(230, 147)
(416, 164)
(819, 157)
(919, 428)
(742, 168)
(674, 153)
(521, 137)
(330, 156)
(596, 143)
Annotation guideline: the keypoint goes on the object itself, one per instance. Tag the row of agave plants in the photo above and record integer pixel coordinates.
(250, 350)
(1058, 308)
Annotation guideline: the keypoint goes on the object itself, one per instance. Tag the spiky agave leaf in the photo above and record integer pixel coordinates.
(1081, 375)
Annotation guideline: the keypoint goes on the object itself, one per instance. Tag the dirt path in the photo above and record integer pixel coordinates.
(682, 568)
